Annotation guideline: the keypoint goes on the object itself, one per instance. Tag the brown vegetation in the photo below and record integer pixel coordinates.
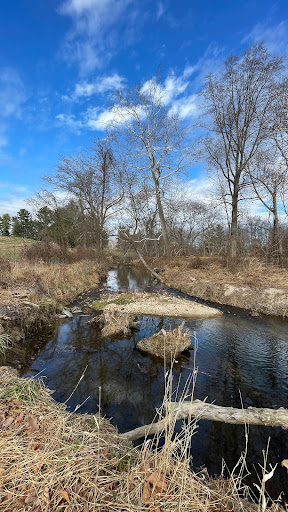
(34, 288)
(112, 323)
(52, 460)
(167, 344)
(250, 284)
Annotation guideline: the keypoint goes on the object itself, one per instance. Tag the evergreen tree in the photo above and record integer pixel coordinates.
(5, 224)
(23, 224)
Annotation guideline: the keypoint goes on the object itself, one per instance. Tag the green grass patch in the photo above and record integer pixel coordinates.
(31, 391)
(99, 305)
(12, 246)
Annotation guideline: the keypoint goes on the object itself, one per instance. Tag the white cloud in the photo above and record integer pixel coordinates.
(100, 85)
(274, 36)
(97, 25)
(97, 120)
(186, 107)
(13, 199)
(172, 87)
(172, 93)
(12, 93)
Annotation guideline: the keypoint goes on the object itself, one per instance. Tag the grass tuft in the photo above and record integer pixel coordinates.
(120, 300)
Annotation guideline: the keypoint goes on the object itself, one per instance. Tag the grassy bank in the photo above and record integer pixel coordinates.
(52, 460)
(33, 290)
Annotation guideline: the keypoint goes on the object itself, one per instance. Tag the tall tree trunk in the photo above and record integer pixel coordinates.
(162, 220)
(276, 242)
(233, 229)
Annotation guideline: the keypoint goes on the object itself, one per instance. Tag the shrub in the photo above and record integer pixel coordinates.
(49, 252)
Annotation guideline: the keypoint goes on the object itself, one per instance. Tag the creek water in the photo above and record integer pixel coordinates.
(240, 360)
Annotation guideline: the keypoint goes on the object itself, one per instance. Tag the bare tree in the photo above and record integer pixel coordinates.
(268, 176)
(94, 179)
(238, 103)
(152, 139)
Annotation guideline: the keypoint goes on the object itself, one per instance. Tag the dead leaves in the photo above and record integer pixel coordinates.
(9, 418)
(65, 496)
(32, 425)
(153, 485)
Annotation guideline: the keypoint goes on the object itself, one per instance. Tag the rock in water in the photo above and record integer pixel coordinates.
(67, 312)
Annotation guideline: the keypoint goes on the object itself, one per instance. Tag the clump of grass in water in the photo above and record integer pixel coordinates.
(121, 300)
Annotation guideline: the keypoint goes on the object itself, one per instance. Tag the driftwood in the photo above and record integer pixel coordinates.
(202, 410)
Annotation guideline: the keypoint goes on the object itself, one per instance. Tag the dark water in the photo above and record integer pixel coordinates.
(238, 358)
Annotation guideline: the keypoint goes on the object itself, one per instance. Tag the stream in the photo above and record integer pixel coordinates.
(239, 359)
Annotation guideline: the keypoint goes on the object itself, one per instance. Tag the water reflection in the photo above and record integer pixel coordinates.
(239, 360)
(127, 278)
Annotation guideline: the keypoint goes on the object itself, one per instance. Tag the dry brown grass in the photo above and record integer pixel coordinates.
(118, 323)
(37, 280)
(31, 293)
(52, 460)
(248, 271)
(167, 344)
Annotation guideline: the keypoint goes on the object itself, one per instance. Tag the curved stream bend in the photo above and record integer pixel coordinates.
(239, 359)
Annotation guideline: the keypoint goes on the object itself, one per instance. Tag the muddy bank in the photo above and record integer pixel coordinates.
(267, 301)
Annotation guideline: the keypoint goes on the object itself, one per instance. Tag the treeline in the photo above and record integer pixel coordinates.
(61, 224)
(131, 187)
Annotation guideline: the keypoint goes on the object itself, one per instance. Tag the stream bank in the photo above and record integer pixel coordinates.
(252, 286)
(52, 460)
(35, 296)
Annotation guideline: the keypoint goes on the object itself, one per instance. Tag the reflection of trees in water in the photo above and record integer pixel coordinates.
(129, 278)
(234, 354)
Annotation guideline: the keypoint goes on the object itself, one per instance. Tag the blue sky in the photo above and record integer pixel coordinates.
(60, 62)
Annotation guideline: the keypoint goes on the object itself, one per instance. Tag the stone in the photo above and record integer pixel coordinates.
(67, 313)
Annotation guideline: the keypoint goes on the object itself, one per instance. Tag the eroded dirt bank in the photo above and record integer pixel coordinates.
(252, 286)
(34, 295)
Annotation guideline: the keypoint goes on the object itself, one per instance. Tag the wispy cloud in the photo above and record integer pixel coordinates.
(70, 121)
(173, 92)
(178, 92)
(100, 85)
(160, 10)
(12, 93)
(274, 36)
(12, 197)
(12, 97)
(97, 25)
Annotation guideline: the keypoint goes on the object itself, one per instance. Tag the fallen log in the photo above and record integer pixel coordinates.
(203, 411)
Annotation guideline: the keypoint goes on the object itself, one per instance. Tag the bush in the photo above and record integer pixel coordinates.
(49, 252)
(5, 266)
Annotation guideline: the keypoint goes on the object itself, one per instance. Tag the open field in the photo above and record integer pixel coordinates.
(12, 246)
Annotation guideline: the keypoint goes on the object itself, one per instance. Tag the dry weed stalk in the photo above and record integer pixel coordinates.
(53, 460)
